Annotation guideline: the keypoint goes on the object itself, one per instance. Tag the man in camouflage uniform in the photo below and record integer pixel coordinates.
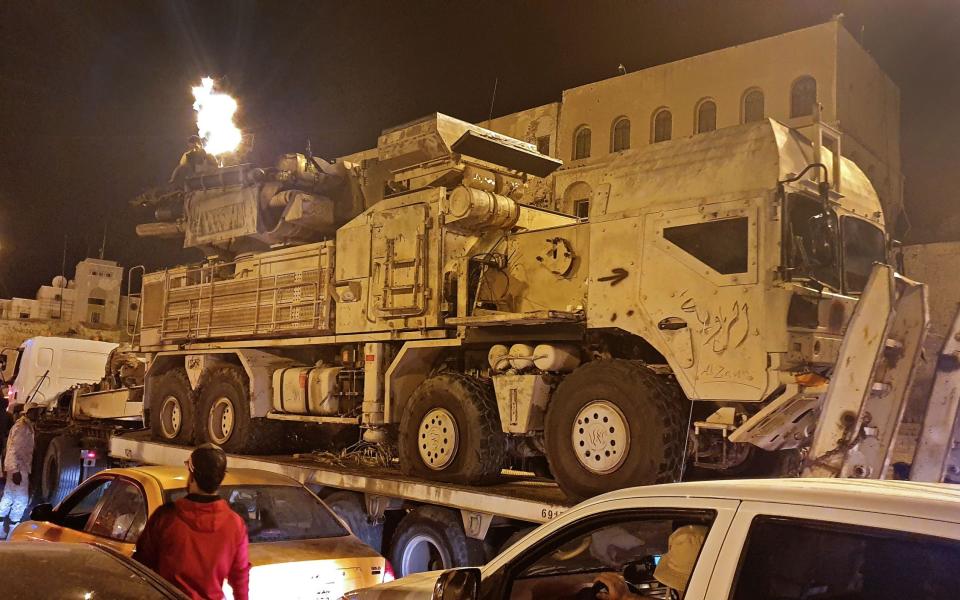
(16, 468)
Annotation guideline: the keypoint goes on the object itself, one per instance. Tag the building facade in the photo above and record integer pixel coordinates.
(790, 78)
(93, 298)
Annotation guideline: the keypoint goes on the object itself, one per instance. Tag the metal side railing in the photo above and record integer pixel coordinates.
(865, 401)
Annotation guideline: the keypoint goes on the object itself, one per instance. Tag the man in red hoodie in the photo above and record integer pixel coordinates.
(197, 541)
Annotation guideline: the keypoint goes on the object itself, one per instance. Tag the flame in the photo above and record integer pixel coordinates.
(215, 118)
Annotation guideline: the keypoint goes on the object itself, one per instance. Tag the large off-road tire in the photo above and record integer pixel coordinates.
(450, 431)
(613, 424)
(350, 507)
(224, 417)
(41, 441)
(432, 538)
(173, 408)
(62, 469)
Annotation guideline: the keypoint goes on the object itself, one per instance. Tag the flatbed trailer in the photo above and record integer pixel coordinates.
(417, 524)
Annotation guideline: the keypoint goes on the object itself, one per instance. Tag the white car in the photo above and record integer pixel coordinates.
(787, 539)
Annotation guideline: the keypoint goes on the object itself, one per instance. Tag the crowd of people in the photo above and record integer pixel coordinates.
(196, 543)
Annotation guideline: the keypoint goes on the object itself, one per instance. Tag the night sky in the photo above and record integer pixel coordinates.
(95, 101)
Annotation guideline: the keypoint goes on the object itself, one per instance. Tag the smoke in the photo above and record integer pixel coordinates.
(215, 112)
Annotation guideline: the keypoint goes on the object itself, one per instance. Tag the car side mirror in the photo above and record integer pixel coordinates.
(42, 512)
(457, 584)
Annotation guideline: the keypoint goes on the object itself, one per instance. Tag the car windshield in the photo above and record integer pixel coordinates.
(277, 513)
(863, 245)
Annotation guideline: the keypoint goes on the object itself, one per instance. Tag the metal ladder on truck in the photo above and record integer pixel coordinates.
(937, 457)
(863, 408)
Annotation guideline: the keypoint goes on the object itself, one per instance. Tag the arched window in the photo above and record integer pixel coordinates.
(576, 199)
(620, 135)
(706, 116)
(803, 95)
(753, 106)
(662, 125)
(581, 143)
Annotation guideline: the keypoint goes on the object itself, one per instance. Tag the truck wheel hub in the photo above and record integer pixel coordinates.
(601, 437)
(423, 553)
(221, 420)
(438, 438)
(171, 416)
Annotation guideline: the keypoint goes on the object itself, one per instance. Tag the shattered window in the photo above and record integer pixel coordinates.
(721, 245)
(812, 238)
(863, 245)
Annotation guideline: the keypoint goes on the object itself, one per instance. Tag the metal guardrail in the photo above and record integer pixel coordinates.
(226, 300)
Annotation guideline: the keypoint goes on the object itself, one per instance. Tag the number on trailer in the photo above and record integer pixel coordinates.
(550, 514)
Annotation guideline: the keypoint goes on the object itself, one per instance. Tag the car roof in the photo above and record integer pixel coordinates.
(79, 567)
(939, 501)
(171, 478)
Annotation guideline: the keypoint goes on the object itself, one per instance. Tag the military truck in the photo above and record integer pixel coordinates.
(413, 298)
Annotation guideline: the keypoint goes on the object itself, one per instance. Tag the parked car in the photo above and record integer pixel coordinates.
(78, 571)
(787, 539)
(298, 547)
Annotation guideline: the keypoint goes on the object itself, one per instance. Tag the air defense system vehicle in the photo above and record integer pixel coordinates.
(694, 318)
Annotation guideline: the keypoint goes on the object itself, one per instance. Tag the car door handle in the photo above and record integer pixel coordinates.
(671, 324)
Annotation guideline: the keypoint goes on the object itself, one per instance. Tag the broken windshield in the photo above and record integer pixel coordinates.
(812, 241)
(863, 245)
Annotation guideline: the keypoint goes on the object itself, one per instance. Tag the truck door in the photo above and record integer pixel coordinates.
(699, 285)
(400, 249)
(781, 550)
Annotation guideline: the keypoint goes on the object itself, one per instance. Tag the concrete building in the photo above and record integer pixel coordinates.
(783, 77)
(97, 292)
(93, 298)
(936, 265)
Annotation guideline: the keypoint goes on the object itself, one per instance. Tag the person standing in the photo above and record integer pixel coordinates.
(17, 463)
(194, 160)
(198, 542)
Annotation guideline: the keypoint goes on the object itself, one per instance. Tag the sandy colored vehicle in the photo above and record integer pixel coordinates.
(416, 295)
(298, 547)
(744, 540)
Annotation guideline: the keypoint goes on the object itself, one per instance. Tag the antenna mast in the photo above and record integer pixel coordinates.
(103, 245)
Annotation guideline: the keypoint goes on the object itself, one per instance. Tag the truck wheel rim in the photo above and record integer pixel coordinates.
(438, 439)
(423, 553)
(221, 420)
(171, 417)
(601, 437)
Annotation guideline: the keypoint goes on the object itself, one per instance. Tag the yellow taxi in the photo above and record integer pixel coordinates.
(298, 547)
